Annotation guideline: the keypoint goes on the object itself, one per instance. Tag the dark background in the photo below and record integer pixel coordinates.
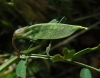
(19, 13)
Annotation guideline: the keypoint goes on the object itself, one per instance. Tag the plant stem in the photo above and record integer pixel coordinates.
(30, 50)
(72, 62)
(84, 65)
(8, 63)
(40, 56)
(13, 59)
(5, 55)
(13, 43)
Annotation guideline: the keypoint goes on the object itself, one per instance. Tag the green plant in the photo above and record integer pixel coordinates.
(49, 31)
(85, 73)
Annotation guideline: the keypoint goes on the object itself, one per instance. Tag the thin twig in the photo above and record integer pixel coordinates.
(86, 66)
(71, 62)
(13, 43)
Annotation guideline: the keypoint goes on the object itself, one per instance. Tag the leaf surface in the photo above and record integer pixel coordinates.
(85, 73)
(67, 55)
(21, 69)
(53, 21)
(46, 31)
(87, 50)
(57, 58)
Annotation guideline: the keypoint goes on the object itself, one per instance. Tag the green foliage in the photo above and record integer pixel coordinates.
(68, 55)
(63, 20)
(48, 49)
(34, 68)
(51, 30)
(71, 54)
(14, 13)
(87, 50)
(21, 69)
(11, 74)
(85, 73)
(53, 21)
(46, 31)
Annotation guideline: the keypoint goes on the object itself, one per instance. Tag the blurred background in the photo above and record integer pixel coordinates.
(15, 14)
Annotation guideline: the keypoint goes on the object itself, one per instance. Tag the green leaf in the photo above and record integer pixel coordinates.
(48, 49)
(53, 21)
(87, 50)
(68, 54)
(63, 20)
(65, 52)
(85, 73)
(46, 31)
(57, 57)
(21, 69)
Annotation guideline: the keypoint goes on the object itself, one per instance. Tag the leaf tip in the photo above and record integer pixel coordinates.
(84, 28)
(19, 32)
